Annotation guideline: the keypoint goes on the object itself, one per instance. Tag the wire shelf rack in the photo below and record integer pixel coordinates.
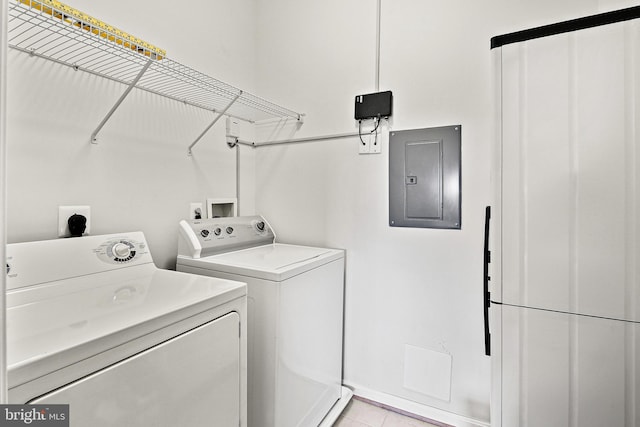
(44, 28)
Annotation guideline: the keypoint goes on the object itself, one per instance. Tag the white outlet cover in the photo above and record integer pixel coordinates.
(193, 208)
(372, 142)
(64, 212)
(383, 137)
(364, 144)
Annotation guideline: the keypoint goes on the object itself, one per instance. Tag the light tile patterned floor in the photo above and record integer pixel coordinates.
(362, 414)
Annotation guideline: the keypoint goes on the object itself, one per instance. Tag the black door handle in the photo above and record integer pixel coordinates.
(486, 278)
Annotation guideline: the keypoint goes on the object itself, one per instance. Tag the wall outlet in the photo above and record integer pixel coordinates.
(375, 147)
(195, 210)
(371, 143)
(64, 212)
(364, 144)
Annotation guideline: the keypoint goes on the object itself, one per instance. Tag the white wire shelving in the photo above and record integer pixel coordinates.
(44, 28)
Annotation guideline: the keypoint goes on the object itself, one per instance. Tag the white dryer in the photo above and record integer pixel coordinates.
(93, 323)
(295, 315)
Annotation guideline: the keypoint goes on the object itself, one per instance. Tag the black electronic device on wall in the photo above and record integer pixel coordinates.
(372, 105)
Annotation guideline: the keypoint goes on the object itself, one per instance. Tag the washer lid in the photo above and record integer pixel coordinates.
(60, 323)
(275, 261)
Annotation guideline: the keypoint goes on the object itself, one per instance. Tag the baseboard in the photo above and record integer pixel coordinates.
(337, 409)
(404, 405)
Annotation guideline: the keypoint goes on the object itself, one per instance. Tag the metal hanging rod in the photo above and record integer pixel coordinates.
(236, 141)
(47, 29)
(294, 141)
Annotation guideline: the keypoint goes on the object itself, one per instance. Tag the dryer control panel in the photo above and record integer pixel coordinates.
(203, 237)
(32, 263)
(120, 250)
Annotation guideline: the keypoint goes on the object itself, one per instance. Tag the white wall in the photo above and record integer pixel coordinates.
(403, 286)
(139, 176)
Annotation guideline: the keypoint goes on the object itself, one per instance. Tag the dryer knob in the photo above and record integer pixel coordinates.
(121, 250)
(229, 230)
(204, 233)
(260, 226)
(217, 231)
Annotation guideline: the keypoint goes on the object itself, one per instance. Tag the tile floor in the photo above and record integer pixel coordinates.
(359, 413)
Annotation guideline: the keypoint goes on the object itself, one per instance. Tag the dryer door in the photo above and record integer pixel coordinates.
(190, 380)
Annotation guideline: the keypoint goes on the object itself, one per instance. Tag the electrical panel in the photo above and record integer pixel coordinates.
(425, 177)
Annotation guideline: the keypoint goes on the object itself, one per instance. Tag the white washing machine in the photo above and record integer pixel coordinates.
(295, 315)
(93, 323)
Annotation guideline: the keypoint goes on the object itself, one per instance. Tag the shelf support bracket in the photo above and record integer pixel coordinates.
(220, 114)
(94, 135)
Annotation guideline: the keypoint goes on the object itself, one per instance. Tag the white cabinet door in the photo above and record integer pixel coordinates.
(570, 172)
(191, 380)
(564, 370)
(568, 246)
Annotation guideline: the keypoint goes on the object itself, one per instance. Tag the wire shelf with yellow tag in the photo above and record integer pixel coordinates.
(60, 33)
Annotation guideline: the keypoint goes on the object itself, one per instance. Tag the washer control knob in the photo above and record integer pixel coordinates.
(121, 250)
(229, 230)
(260, 225)
(204, 233)
(217, 231)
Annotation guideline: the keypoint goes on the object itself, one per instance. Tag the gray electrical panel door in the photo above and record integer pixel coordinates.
(424, 177)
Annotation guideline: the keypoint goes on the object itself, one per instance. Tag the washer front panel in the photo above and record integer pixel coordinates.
(155, 386)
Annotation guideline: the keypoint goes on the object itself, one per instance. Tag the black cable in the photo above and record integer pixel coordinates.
(377, 121)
